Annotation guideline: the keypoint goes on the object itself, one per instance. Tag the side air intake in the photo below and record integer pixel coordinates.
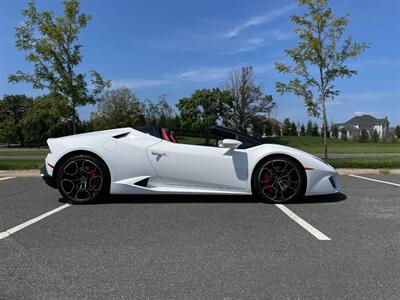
(142, 182)
(121, 135)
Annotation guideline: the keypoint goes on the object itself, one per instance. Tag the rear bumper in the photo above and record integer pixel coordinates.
(50, 181)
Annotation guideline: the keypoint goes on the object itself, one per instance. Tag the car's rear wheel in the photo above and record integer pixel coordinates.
(279, 179)
(83, 178)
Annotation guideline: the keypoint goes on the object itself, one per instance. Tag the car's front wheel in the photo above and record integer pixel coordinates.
(279, 179)
(83, 178)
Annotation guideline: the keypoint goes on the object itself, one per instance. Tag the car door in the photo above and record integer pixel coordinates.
(199, 166)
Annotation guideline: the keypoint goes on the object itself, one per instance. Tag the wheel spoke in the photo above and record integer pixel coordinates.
(81, 180)
(279, 180)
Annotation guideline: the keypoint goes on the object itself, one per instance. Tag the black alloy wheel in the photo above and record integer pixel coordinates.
(279, 180)
(83, 178)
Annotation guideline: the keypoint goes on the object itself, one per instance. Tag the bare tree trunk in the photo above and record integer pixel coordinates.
(325, 129)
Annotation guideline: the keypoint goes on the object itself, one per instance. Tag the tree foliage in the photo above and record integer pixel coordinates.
(247, 99)
(397, 131)
(12, 111)
(319, 59)
(51, 44)
(204, 108)
(364, 136)
(335, 132)
(118, 108)
(44, 119)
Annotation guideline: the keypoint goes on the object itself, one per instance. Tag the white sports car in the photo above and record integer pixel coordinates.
(149, 160)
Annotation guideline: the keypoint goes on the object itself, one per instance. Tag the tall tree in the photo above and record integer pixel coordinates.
(364, 136)
(248, 99)
(302, 130)
(309, 128)
(293, 129)
(319, 58)
(43, 119)
(159, 113)
(343, 134)
(52, 46)
(397, 131)
(335, 132)
(203, 108)
(286, 127)
(12, 111)
(118, 108)
(315, 130)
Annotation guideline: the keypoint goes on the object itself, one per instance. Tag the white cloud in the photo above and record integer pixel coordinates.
(258, 20)
(250, 45)
(204, 74)
(138, 83)
(360, 113)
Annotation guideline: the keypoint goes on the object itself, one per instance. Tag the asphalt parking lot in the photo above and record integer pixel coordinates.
(196, 247)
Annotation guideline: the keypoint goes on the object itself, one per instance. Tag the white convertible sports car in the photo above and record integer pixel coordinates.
(149, 160)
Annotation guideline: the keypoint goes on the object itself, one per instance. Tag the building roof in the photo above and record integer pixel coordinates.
(363, 121)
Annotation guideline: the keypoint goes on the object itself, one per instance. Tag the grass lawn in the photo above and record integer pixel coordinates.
(366, 163)
(315, 145)
(20, 164)
(28, 152)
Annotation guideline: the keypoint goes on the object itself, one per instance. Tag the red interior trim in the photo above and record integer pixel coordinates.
(172, 138)
(165, 135)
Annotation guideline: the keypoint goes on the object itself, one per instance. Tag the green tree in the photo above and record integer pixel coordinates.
(397, 131)
(343, 134)
(43, 119)
(319, 58)
(375, 136)
(203, 108)
(302, 130)
(247, 99)
(51, 44)
(276, 129)
(293, 129)
(364, 136)
(12, 111)
(335, 132)
(159, 113)
(117, 108)
(315, 130)
(309, 128)
(286, 127)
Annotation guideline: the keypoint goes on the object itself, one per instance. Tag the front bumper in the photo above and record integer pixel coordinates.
(50, 181)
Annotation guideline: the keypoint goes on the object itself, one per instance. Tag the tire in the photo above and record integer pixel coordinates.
(279, 179)
(83, 179)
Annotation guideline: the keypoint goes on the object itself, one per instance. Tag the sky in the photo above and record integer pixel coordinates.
(172, 48)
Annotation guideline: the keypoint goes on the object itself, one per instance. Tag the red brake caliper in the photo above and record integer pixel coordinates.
(266, 178)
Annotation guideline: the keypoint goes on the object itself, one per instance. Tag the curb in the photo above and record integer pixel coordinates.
(36, 173)
(19, 173)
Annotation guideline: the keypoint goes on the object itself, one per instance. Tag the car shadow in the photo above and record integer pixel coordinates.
(143, 199)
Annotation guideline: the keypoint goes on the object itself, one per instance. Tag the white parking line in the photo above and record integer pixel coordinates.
(5, 178)
(307, 226)
(376, 180)
(10, 231)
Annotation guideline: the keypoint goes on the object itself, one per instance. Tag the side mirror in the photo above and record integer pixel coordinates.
(229, 143)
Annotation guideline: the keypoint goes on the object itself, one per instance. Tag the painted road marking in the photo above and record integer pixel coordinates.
(5, 178)
(307, 226)
(10, 231)
(376, 180)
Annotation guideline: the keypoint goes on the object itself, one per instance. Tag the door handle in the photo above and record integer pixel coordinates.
(158, 153)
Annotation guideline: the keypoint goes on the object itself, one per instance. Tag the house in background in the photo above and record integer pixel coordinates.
(355, 125)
